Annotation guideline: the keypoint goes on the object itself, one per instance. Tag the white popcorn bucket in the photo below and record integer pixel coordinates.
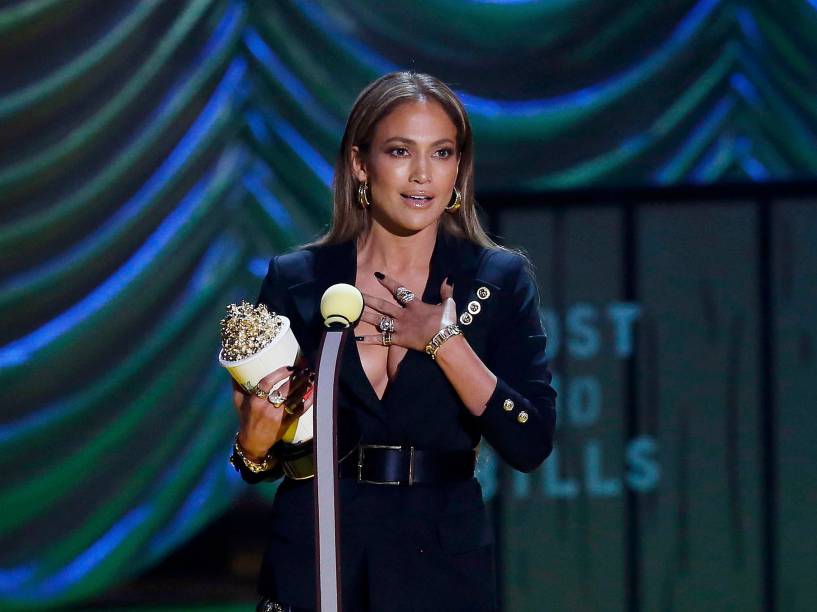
(282, 351)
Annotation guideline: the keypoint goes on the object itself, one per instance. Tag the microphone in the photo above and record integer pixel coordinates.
(341, 305)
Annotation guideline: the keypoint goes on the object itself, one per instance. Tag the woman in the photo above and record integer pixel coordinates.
(449, 349)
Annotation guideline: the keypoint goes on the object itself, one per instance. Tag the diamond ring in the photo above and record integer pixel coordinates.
(403, 295)
(386, 324)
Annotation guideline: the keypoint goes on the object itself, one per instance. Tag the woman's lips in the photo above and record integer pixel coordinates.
(417, 202)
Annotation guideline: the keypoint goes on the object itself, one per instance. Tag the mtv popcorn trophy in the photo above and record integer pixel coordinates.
(254, 342)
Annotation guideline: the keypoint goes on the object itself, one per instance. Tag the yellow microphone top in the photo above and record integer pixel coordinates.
(341, 303)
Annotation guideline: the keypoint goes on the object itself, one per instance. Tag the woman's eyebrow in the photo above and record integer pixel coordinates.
(410, 141)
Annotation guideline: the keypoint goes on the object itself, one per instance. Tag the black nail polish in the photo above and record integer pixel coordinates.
(449, 282)
(290, 368)
(380, 275)
(358, 338)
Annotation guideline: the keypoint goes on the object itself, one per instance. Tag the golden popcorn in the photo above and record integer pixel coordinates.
(247, 329)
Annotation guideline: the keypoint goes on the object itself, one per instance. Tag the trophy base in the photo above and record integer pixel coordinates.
(297, 459)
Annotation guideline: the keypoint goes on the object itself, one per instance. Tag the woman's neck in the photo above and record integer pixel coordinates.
(385, 251)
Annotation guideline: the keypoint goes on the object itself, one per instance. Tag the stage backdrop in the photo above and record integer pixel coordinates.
(682, 335)
(154, 155)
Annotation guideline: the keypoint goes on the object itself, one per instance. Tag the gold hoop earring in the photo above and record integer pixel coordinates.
(362, 197)
(452, 208)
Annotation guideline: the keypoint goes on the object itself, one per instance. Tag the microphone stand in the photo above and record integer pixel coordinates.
(327, 515)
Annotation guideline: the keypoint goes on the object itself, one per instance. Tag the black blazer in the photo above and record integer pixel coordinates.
(419, 408)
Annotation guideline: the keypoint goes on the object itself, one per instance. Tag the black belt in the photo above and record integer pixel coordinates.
(406, 465)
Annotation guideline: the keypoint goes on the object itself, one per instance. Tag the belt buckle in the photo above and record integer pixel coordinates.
(360, 454)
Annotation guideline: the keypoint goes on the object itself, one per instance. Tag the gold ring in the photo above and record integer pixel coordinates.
(386, 339)
(259, 392)
(289, 410)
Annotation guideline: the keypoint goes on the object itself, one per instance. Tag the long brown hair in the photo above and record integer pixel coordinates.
(376, 101)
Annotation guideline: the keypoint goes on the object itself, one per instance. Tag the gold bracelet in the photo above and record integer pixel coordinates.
(252, 465)
(449, 331)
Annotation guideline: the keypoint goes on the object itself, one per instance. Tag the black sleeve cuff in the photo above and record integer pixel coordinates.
(517, 429)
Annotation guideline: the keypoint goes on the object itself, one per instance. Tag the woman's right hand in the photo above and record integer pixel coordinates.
(261, 424)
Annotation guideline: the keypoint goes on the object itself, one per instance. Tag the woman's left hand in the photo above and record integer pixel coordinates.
(416, 322)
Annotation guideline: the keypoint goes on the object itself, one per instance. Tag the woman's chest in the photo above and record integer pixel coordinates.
(381, 364)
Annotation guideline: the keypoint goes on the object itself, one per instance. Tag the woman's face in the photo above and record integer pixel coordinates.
(413, 153)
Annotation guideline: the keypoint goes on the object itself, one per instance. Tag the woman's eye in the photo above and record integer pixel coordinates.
(396, 149)
(447, 152)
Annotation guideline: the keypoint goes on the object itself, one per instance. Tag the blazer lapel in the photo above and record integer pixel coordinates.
(332, 264)
(458, 259)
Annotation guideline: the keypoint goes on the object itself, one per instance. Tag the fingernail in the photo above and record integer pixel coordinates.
(358, 338)
(449, 282)
(290, 368)
(380, 275)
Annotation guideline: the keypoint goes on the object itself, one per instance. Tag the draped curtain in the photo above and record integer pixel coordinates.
(154, 155)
